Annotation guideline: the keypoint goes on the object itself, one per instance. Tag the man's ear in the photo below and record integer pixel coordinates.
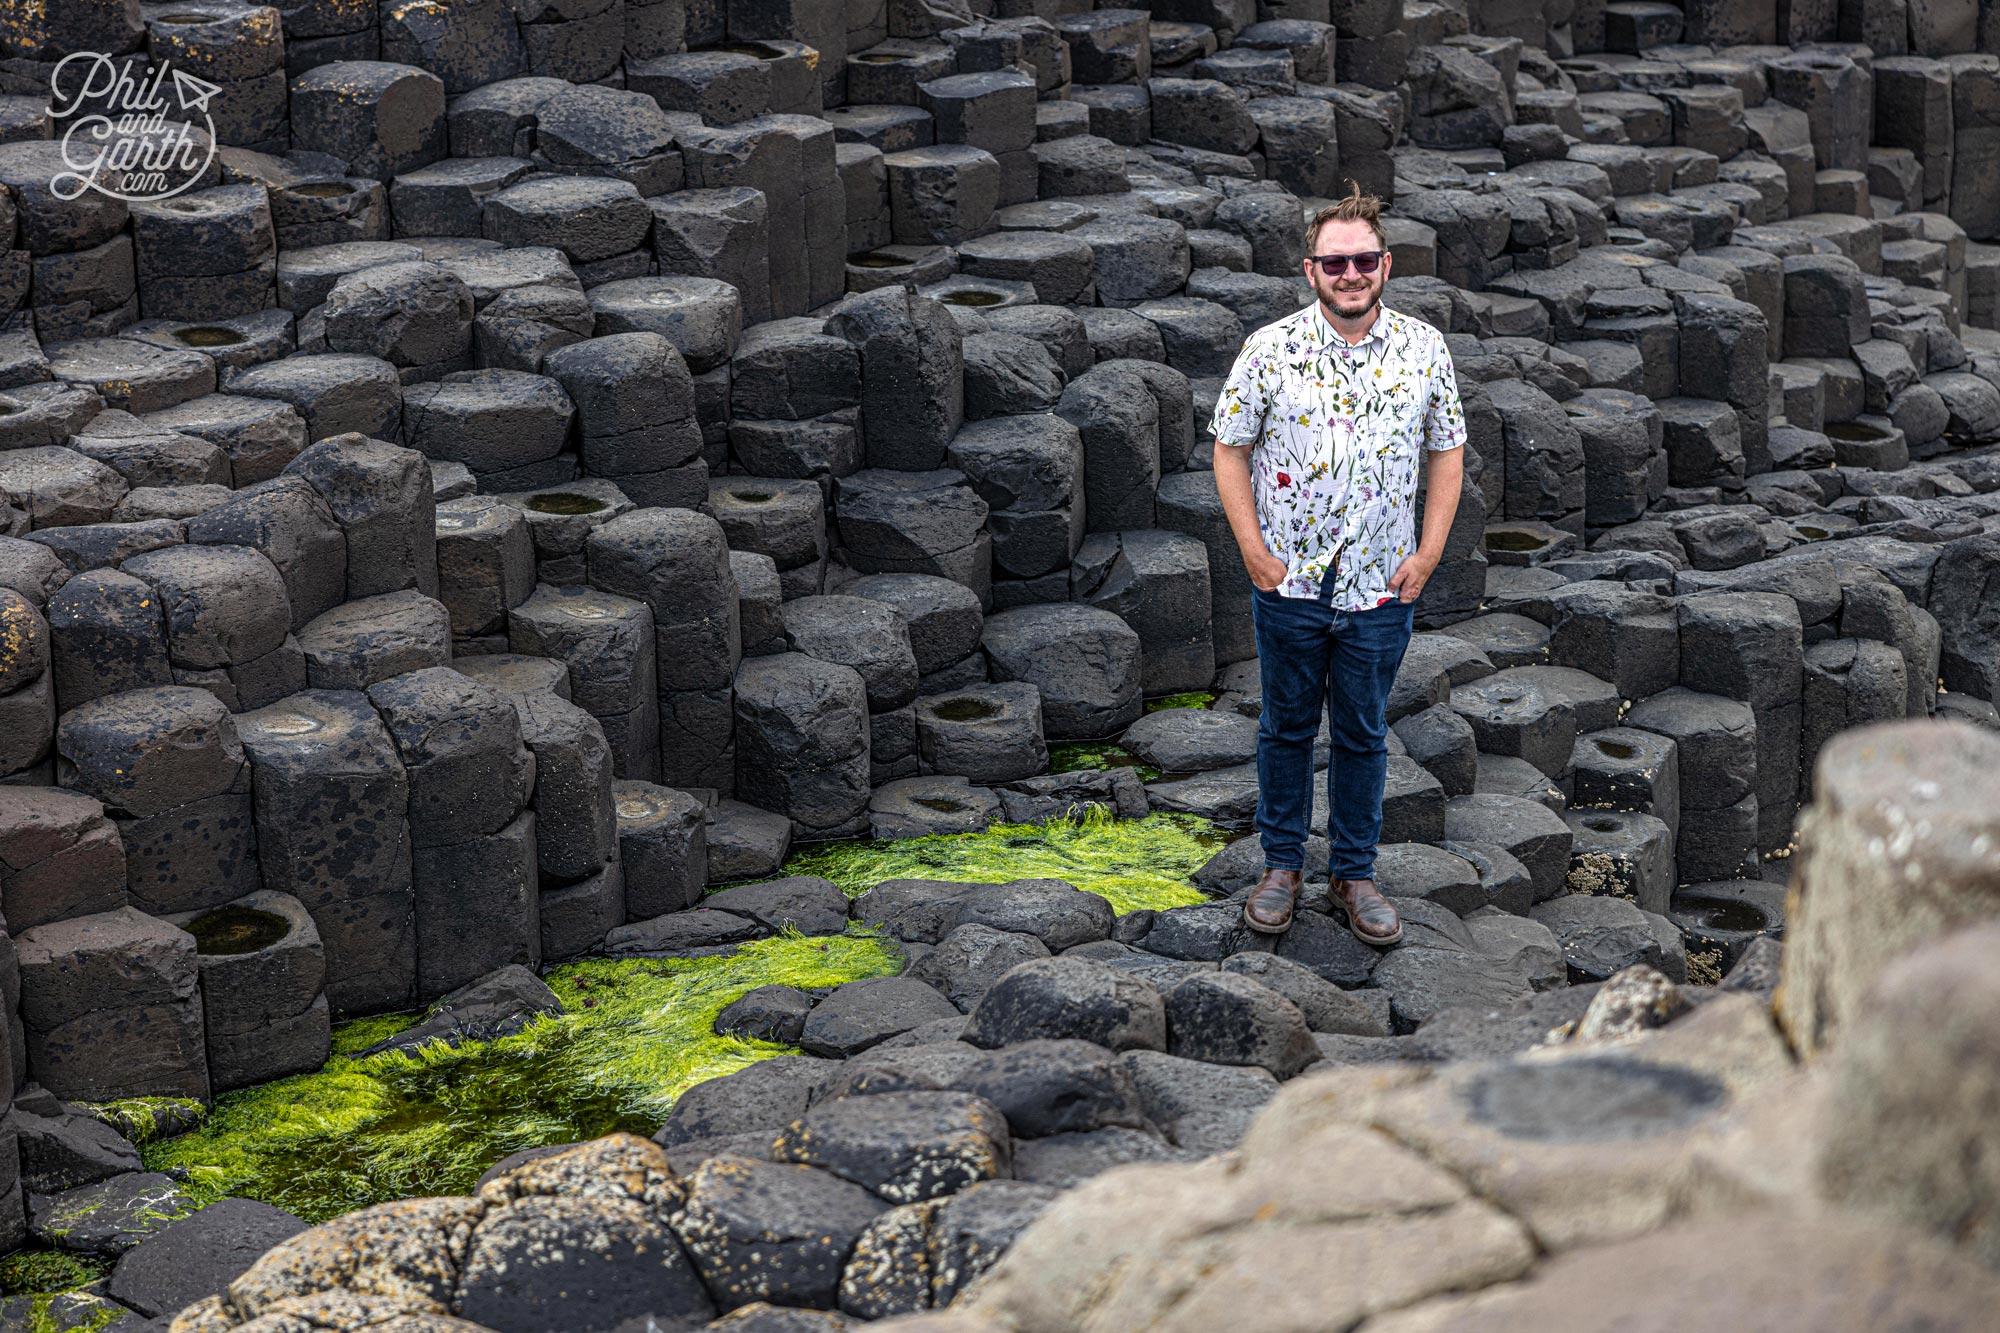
(1388, 261)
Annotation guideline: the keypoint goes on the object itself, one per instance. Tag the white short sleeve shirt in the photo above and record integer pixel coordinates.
(1336, 432)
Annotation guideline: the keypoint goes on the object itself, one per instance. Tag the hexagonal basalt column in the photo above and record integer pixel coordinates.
(802, 743)
(333, 826)
(112, 1008)
(169, 766)
(263, 975)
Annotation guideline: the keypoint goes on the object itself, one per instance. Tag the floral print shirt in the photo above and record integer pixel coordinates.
(1337, 431)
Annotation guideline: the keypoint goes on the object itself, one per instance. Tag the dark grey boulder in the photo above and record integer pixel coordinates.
(804, 903)
(1070, 997)
(1058, 914)
(971, 958)
(1601, 937)
(768, 1013)
(974, 1227)
(802, 741)
(1085, 662)
(942, 617)
(904, 1147)
(543, 1263)
(199, 1256)
(1423, 982)
(1200, 1106)
(1065, 1160)
(1529, 831)
(864, 1013)
(1227, 1018)
(1476, 1032)
(1072, 795)
(1204, 932)
(1443, 742)
(766, 1096)
(110, 1217)
(1329, 949)
(1326, 1007)
(860, 633)
(1060, 1086)
(1419, 870)
(1189, 740)
(772, 1231)
(1521, 944)
(679, 934)
(65, 1150)
(498, 1004)
(1239, 865)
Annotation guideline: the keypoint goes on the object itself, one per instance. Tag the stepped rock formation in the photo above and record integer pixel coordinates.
(551, 458)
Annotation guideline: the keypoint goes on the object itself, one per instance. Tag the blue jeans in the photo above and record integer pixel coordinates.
(1311, 656)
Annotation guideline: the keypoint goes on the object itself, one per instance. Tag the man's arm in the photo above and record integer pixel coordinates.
(1239, 506)
(1235, 425)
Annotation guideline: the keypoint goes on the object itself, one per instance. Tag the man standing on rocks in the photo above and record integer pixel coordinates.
(1321, 428)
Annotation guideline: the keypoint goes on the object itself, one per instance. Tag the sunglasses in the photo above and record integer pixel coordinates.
(1335, 265)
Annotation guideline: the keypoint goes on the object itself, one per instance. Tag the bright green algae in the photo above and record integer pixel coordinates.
(43, 1270)
(140, 1120)
(1133, 863)
(1085, 756)
(634, 1034)
(1192, 699)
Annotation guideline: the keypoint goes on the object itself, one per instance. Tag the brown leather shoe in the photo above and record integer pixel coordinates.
(1371, 918)
(1268, 909)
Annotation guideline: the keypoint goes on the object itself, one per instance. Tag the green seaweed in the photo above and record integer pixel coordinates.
(41, 1270)
(1091, 756)
(358, 1034)
(633, 1035)
(1133, 863)
(141, 1120)
(1192, 699)
(42, 1315)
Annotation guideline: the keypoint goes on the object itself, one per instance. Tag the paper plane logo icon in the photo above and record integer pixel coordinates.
(194, 93)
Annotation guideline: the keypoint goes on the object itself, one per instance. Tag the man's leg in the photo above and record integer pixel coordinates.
(1368, 648)
(1293, 644)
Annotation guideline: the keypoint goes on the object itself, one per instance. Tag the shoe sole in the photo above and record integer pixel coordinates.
(1248, 924)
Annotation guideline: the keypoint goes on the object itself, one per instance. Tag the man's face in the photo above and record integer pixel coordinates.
(1350, 295)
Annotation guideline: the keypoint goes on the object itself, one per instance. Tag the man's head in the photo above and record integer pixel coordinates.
(1351, 227)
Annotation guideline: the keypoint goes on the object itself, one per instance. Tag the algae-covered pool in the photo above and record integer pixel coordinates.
(633, 1035)
(1132, 863)
(1084, 756)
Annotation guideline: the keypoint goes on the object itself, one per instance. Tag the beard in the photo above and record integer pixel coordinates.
(1351, 303)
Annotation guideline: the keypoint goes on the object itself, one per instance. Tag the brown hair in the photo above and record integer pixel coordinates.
(1356, 207)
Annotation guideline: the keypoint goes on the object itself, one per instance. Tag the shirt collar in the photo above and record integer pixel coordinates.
(1323, 335)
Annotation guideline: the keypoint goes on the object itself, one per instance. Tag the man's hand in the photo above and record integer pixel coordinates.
(1411, 575)
(1266, 570)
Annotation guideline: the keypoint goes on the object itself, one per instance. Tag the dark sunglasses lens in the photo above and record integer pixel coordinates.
(1335, 265)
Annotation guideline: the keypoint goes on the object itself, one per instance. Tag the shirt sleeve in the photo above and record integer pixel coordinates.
(1444, 423)
(1245, 397)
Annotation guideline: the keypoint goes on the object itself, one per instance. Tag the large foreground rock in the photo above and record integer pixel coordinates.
(1897, 848)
